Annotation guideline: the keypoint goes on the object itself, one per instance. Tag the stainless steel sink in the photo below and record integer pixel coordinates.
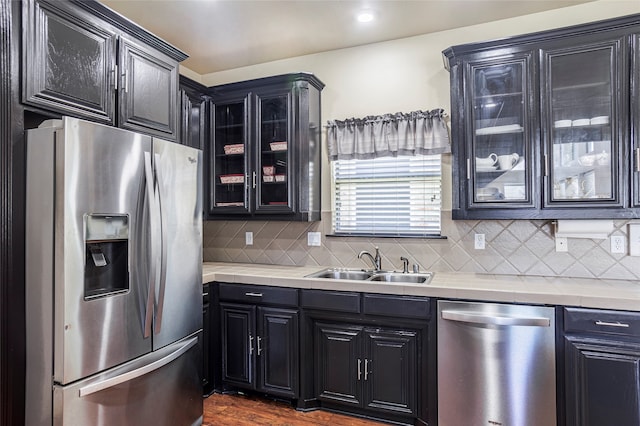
(365, 275)
(342, 274)
(400, 277)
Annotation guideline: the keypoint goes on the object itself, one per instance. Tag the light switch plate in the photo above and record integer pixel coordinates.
(478, 241)
(313, 239)
(248, 238)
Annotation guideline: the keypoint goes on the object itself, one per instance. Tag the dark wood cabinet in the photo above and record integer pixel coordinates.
(194, 116)
(369, 354)
(374, 369)
(264, 156)
(602, 367)
(207, 380)
(541, 124)
(82, 59)
(69, 61)
(148, 95)
(260, 343)
(338, 363)
(391, 370)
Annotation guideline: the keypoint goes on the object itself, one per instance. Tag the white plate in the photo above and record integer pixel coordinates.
(486, 169)
(581, 122)
(562, 123)
(602, 119)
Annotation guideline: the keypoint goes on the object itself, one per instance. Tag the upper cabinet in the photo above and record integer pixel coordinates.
(84, 60)
(194, 116)
(542, 124)
(264, 156)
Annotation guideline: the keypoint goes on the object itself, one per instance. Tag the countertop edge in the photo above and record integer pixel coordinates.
(580, 292)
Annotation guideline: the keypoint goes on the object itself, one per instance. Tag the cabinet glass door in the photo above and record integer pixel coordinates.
(499, 159)
(582, 146)
(273, 168)
(230, 157)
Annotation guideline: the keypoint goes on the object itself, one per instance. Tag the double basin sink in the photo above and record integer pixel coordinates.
(376, 276)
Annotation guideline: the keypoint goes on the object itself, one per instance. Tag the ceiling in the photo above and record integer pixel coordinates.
(225, 34)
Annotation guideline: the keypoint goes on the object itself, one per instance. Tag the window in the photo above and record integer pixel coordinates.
(387, 196)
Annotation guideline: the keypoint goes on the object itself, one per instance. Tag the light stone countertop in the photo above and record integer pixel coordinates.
(585, 292)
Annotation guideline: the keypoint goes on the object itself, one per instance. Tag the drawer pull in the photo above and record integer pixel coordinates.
(612, 324)
(253, 294)
(205, 294)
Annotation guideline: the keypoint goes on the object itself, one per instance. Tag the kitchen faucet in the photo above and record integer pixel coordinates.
(376, 261)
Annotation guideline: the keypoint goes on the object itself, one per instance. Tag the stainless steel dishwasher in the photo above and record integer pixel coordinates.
(496, 364)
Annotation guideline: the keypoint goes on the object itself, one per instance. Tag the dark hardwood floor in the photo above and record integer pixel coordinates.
(243, 410)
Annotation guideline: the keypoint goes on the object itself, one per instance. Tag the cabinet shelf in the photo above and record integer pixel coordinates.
(499, 130)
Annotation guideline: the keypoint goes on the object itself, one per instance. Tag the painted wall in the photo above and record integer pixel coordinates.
(406, 75)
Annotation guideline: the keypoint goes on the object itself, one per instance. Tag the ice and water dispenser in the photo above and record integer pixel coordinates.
(106, 270)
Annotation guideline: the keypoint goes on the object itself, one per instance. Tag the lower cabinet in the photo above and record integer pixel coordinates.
(207, 382)
(260, 349)
(367, 367)
(602, 367)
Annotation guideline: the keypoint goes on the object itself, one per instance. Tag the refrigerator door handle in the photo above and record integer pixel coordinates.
(153, 235)
(138, 372)
(163, 250)
(482, 318)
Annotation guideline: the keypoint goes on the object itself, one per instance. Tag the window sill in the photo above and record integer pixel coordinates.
(423, 237)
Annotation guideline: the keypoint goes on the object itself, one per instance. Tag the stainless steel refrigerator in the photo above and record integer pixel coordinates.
(113, 277)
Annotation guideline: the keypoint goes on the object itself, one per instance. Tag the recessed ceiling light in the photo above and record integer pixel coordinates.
(365, 17)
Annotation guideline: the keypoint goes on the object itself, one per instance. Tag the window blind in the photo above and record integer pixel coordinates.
(387, 196)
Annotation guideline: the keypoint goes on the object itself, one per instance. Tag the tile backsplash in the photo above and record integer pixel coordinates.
(518, 247)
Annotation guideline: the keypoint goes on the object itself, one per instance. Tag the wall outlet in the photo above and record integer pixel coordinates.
(478, 241)
(562, 244)
(313, 239)
(617, 244)
(248, 238)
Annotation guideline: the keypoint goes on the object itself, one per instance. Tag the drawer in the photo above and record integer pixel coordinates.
(598, 321)
(341, 301)
(259, 294)
(396, 306)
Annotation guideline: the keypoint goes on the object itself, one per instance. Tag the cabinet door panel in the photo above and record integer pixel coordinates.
(582, 97)
(230, 159)
(68, 62)
(338, 363)
(603, 383)
(391, 371)
(238, 343)
(277, 351)
(149, 90)
(275, 153)
(501, 155)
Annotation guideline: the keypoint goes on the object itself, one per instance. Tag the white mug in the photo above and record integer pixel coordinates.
(506, 162)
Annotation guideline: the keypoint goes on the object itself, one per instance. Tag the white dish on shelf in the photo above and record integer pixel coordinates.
(601, 119)
(581, 122)
(494, 130)
(562, 123)
(486, 169)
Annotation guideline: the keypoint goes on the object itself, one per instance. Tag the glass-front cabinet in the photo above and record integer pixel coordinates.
(547, 125)
(500, 149)
(265, 151)
(230, 156)
(274, 155)
(580, 105)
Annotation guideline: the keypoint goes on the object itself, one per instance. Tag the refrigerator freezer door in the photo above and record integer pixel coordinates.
(99, 174)
(178, 311)
(160, 388)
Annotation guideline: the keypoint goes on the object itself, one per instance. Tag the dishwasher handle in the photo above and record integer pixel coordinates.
(483, 318)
